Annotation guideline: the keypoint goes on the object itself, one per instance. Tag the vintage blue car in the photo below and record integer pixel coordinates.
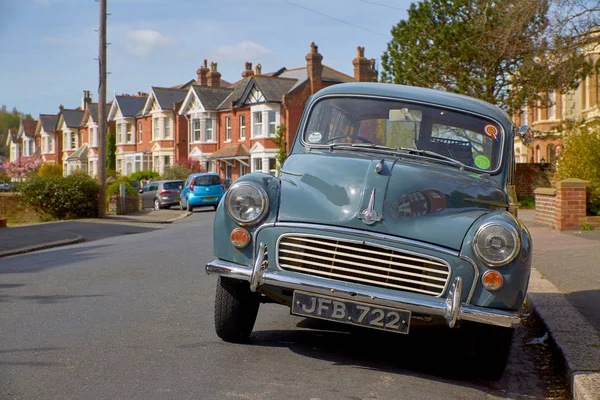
(395, 207)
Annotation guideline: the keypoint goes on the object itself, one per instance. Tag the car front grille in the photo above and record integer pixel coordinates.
(363, 263)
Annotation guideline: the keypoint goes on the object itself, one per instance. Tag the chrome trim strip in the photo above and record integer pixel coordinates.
(304, 121)
(367, 234)
(476, 274)
(427, 305)
(425, 257)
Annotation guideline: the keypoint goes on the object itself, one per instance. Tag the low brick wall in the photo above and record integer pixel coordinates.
(591, 221)
(12, 211)
(545, 208)
(132, 204)
(563, 208)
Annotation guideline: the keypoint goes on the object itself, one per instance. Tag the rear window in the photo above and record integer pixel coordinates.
(210, 180)
(172, 185)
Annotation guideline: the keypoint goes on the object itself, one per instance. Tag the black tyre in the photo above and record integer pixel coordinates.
(215, 207)
(236, 308)
(488, 349)
(189, 206)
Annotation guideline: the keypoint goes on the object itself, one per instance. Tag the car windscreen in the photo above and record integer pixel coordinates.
(474, 141)
(210, 180)
(173, 185)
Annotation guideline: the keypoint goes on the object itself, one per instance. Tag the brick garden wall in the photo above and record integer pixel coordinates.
(529, 177)
(563, 208)
(11, 210)
(132, 204)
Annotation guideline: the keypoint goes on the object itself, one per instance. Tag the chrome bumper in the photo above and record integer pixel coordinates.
(450, 307)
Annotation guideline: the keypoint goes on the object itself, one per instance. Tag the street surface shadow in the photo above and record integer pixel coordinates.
(33, 350)
(40, 261)
(50, 299)
(431, 351)
(588, 303)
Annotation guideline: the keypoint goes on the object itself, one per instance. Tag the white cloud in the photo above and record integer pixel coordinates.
(242, 51)
(143, 42)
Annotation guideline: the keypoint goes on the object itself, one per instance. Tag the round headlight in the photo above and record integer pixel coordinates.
(496, 243)
(246, 203)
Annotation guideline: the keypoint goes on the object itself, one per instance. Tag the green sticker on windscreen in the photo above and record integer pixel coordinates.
(482, 162)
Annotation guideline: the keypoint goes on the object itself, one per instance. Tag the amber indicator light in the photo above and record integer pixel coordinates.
(239, 238)
(492, 280)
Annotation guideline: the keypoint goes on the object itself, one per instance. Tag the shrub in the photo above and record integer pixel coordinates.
(580, 158)
(74, 196)
(48, 170)
(181, 171)
(4, 178)
(114, 188)
(23, 167)
(144, 175)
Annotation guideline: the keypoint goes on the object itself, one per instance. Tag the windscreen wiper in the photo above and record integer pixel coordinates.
(432, 154)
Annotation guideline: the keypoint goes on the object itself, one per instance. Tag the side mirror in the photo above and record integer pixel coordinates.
(141, 190)
(526, 134)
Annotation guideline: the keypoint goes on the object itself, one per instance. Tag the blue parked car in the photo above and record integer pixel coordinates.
(395, 208)
(201, 190)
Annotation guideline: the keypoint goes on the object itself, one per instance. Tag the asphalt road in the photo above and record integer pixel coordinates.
(130, 317)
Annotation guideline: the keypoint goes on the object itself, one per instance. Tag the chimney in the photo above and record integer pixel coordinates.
(214, 76)
(314, 68)
(87, 99)
(364, 70)
(258, 69)
(202, 71)
(248, 70)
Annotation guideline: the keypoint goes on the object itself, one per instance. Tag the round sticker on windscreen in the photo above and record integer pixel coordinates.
(315, 137)
(482, 162)
(491, 131)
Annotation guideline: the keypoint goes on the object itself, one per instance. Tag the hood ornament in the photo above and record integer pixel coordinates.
(369, 215)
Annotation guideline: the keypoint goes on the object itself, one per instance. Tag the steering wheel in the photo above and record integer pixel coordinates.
(360, 138)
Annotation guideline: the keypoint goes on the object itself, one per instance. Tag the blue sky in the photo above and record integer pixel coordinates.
(48, 47)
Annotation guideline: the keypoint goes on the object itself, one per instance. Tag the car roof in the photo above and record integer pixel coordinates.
(204, 174)
(413, 93)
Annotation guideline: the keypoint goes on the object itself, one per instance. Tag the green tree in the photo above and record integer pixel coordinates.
(279, 140)
(580, 158)
(501, 51)
(9, 120)
(111, 150)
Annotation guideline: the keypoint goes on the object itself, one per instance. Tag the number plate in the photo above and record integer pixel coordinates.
(210, 198)
(350, 312)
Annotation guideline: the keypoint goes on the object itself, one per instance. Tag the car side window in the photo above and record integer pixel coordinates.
(152, 187)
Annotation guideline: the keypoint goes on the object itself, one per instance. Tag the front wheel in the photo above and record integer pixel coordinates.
(488, 347)
(236, 308)
(156, 204)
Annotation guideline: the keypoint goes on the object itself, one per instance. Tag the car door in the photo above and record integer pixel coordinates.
(148, 195)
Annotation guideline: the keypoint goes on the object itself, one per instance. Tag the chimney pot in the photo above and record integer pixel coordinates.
(247, 70)
(364, 70)
(258, 69)
(202, 71)
(213, 76)
(314, 68)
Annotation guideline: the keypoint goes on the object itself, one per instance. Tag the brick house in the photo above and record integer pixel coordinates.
(26, 136)
(581, 103)
(89, 135)
(200, 110)
(74, 152)
(51, 141)
(132, 155)
(259, 103)
(167, 129)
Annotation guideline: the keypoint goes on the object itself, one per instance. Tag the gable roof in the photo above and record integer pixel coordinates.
(131, 105)
(80, 154)
(166, 98)
(28, 127)
(48, 122)
(238, 90)
(92, 110)
(328, 75)
(11, 136)
(72, 118)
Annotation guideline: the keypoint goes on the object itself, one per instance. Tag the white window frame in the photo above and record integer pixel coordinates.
(196, 130)
(129, 133)
(242, 127)
(208, 122)
(139, 133)
(257, 127)
(228, 129)
(167, 128)
(155, 128)
(272, 125)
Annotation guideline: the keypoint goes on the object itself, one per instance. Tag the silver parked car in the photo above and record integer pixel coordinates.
(161, 194)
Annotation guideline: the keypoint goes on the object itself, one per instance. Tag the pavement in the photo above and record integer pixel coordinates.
(564, 290)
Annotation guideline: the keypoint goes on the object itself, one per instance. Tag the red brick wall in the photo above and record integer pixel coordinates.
(564, 211)
(529, 177)
(146, 144)
(181, 138)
